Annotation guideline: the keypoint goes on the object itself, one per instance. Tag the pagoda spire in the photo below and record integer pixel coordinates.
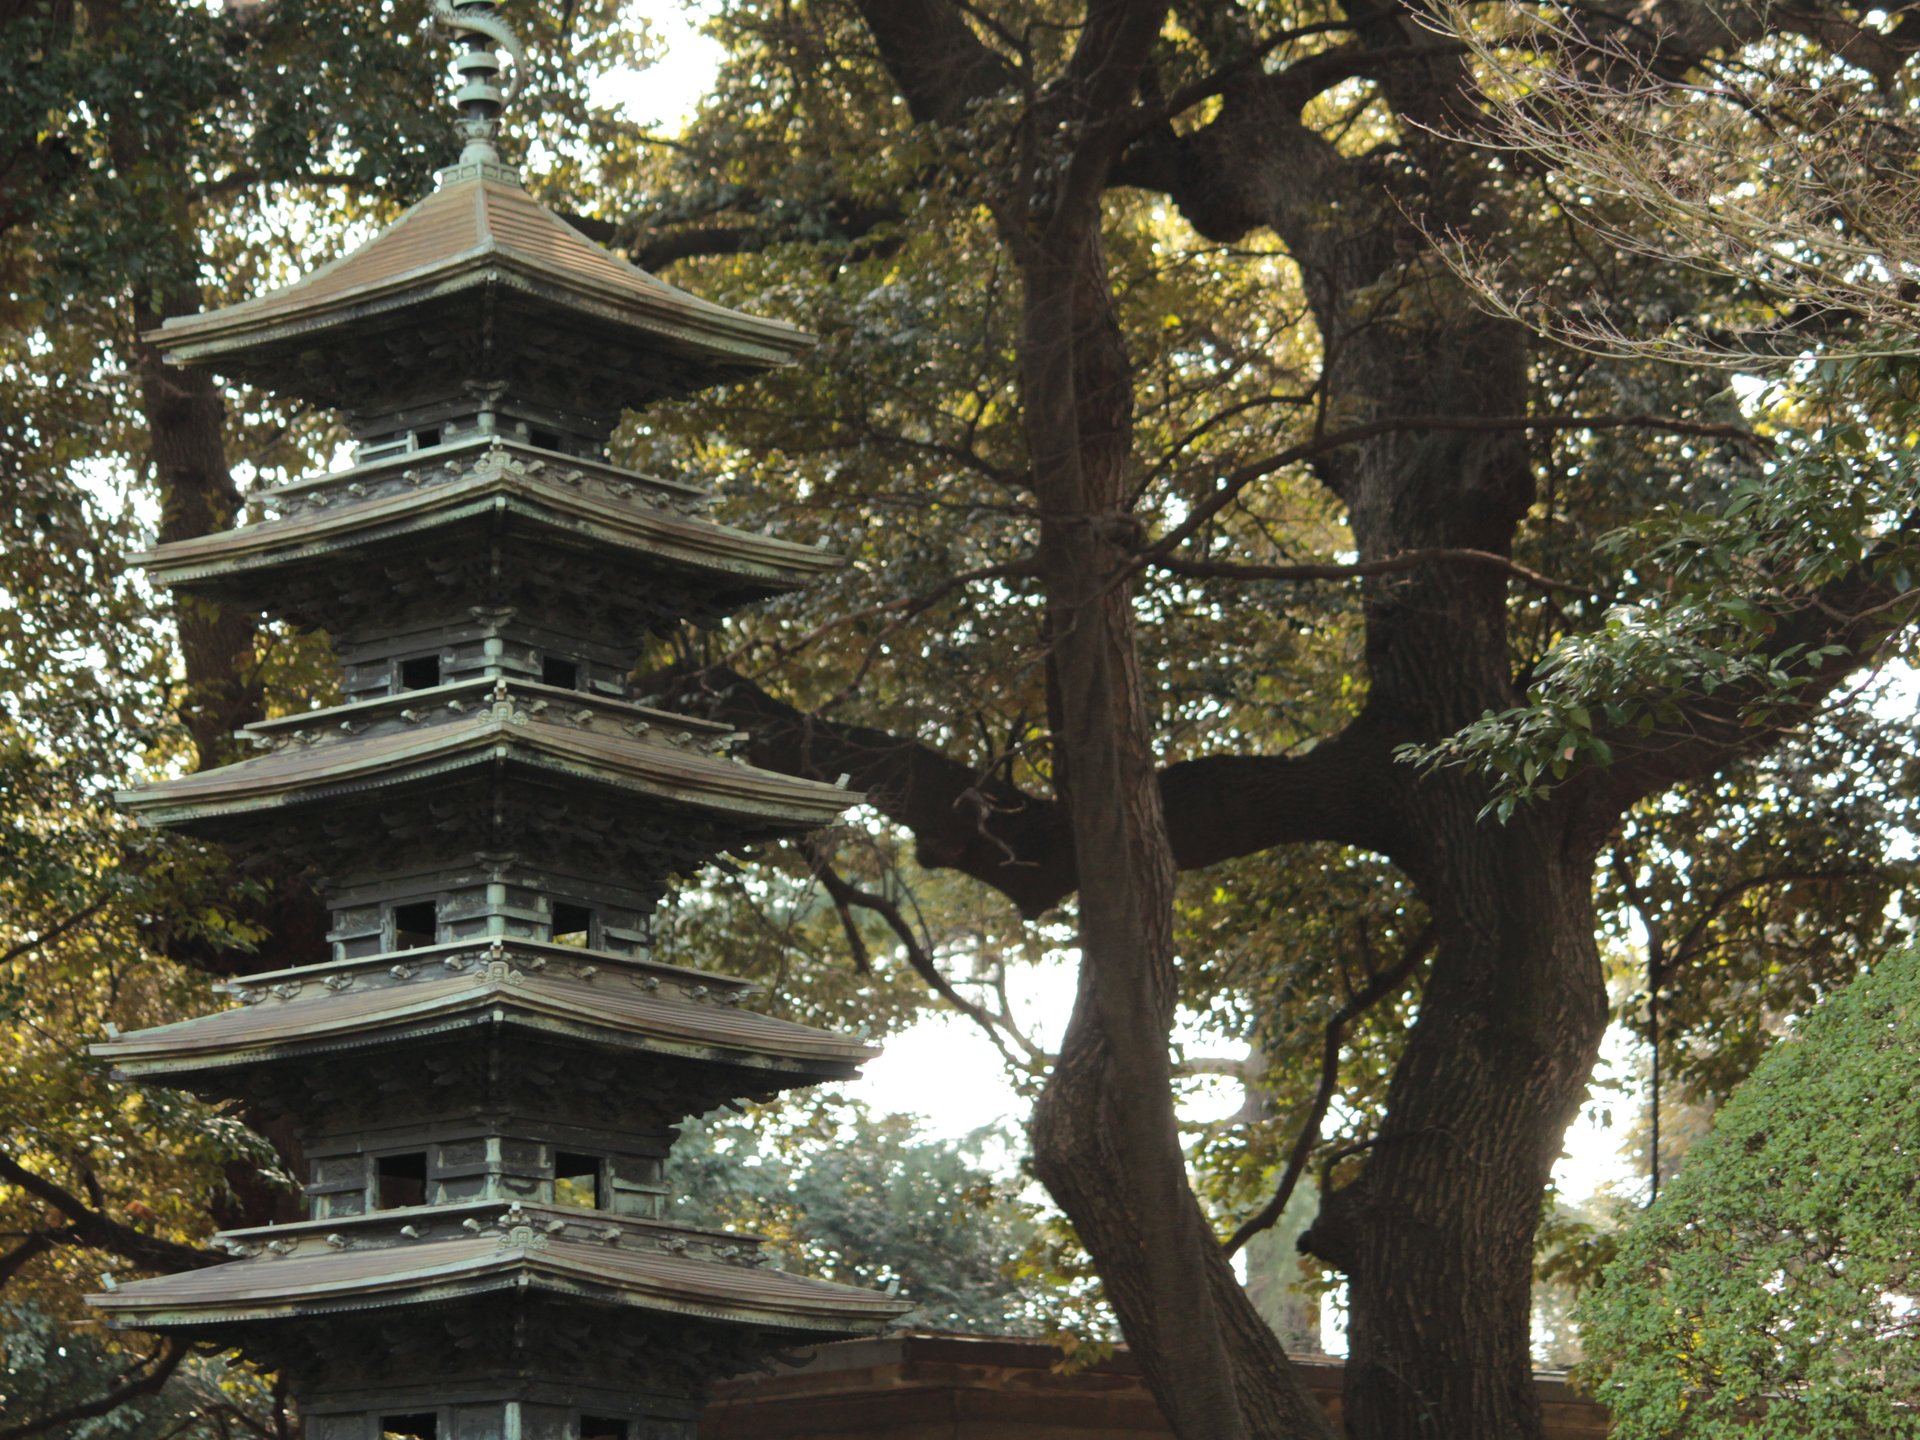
(479, 34)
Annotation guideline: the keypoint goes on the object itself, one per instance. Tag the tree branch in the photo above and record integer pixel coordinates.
(32, 1248)
(91, 1227)
(52, 932)
(1854, 613)
(846, 895)
(1360, 570)
(1682, 952)
(1238, 480)
(937, 62)
(1218, 807)
(1388, 982)
(162, 1365)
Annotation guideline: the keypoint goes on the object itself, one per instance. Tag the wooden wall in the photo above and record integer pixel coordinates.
(951, 1387)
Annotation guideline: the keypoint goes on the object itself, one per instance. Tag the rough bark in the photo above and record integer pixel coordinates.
(1436, 1233)
(1106, 1140)
(186, 420)
(1216, 807)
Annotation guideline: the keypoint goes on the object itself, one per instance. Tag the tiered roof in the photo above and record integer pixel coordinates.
(480, 275)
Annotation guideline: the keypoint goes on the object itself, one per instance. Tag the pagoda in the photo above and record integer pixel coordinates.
(484, 1077)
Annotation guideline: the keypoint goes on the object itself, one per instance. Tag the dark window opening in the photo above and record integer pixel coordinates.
(602, 1427)
(563, 673)
(545, 439)
(427, 439)
(400, 1180)
(572, 925)
(576, 1181)
(423, 1426)
(415, 925)
(420, 673)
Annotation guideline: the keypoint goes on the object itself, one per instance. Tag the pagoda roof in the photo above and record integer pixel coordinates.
(599, 1000)
(493, 483)
(354, 1279)
(482, 241)
(501, 733)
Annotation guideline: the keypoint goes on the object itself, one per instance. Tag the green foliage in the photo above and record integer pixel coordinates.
(47, 1366)
(1764, 886)
(1713, 590)
(83, 896)
(1771, 1291)
(866, 1200)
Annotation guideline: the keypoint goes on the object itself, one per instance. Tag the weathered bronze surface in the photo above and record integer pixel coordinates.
(486, 1076)
(481, 270)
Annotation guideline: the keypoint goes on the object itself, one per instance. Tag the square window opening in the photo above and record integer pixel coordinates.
(426, 439)
(602, 1427)
(420, 673)
(572, 925)
(422, 1426)
(576, 1181)
(545, 439)
(564, 674)
(415, 925)
(400, 1180)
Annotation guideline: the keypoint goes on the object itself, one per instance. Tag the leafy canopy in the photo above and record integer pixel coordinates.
(1771, 1292)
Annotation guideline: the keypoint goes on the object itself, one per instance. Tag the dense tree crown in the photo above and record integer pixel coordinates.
(1769, 1292)
(1342, 532)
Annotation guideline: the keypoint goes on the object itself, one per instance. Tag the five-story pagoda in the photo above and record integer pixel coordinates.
(485, 1077)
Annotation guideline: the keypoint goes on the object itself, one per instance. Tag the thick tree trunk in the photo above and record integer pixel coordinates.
(1436, 1236)
(1105, 1137)
(186, 418)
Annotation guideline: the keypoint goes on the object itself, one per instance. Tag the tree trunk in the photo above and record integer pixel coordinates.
(186, 418)
(1436, 1236)
(1105, 1137)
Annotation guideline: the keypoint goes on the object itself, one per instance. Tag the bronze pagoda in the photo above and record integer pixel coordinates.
(485, 1077)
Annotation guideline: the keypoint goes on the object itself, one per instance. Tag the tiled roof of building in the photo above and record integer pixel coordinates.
(464, 234)
(672, 542)
(266, 1287)
(300, 775)
(318, 1018)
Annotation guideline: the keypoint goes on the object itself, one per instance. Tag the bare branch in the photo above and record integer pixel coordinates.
(847, 896)
(1238, 480)
(1379, 987)
(1361, 570)
(52, 932)
(36, 1244)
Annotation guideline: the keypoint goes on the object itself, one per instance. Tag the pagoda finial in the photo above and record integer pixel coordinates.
(480, 33)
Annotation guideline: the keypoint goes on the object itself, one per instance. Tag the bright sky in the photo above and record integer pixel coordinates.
(944, 1070)
(665, 94)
